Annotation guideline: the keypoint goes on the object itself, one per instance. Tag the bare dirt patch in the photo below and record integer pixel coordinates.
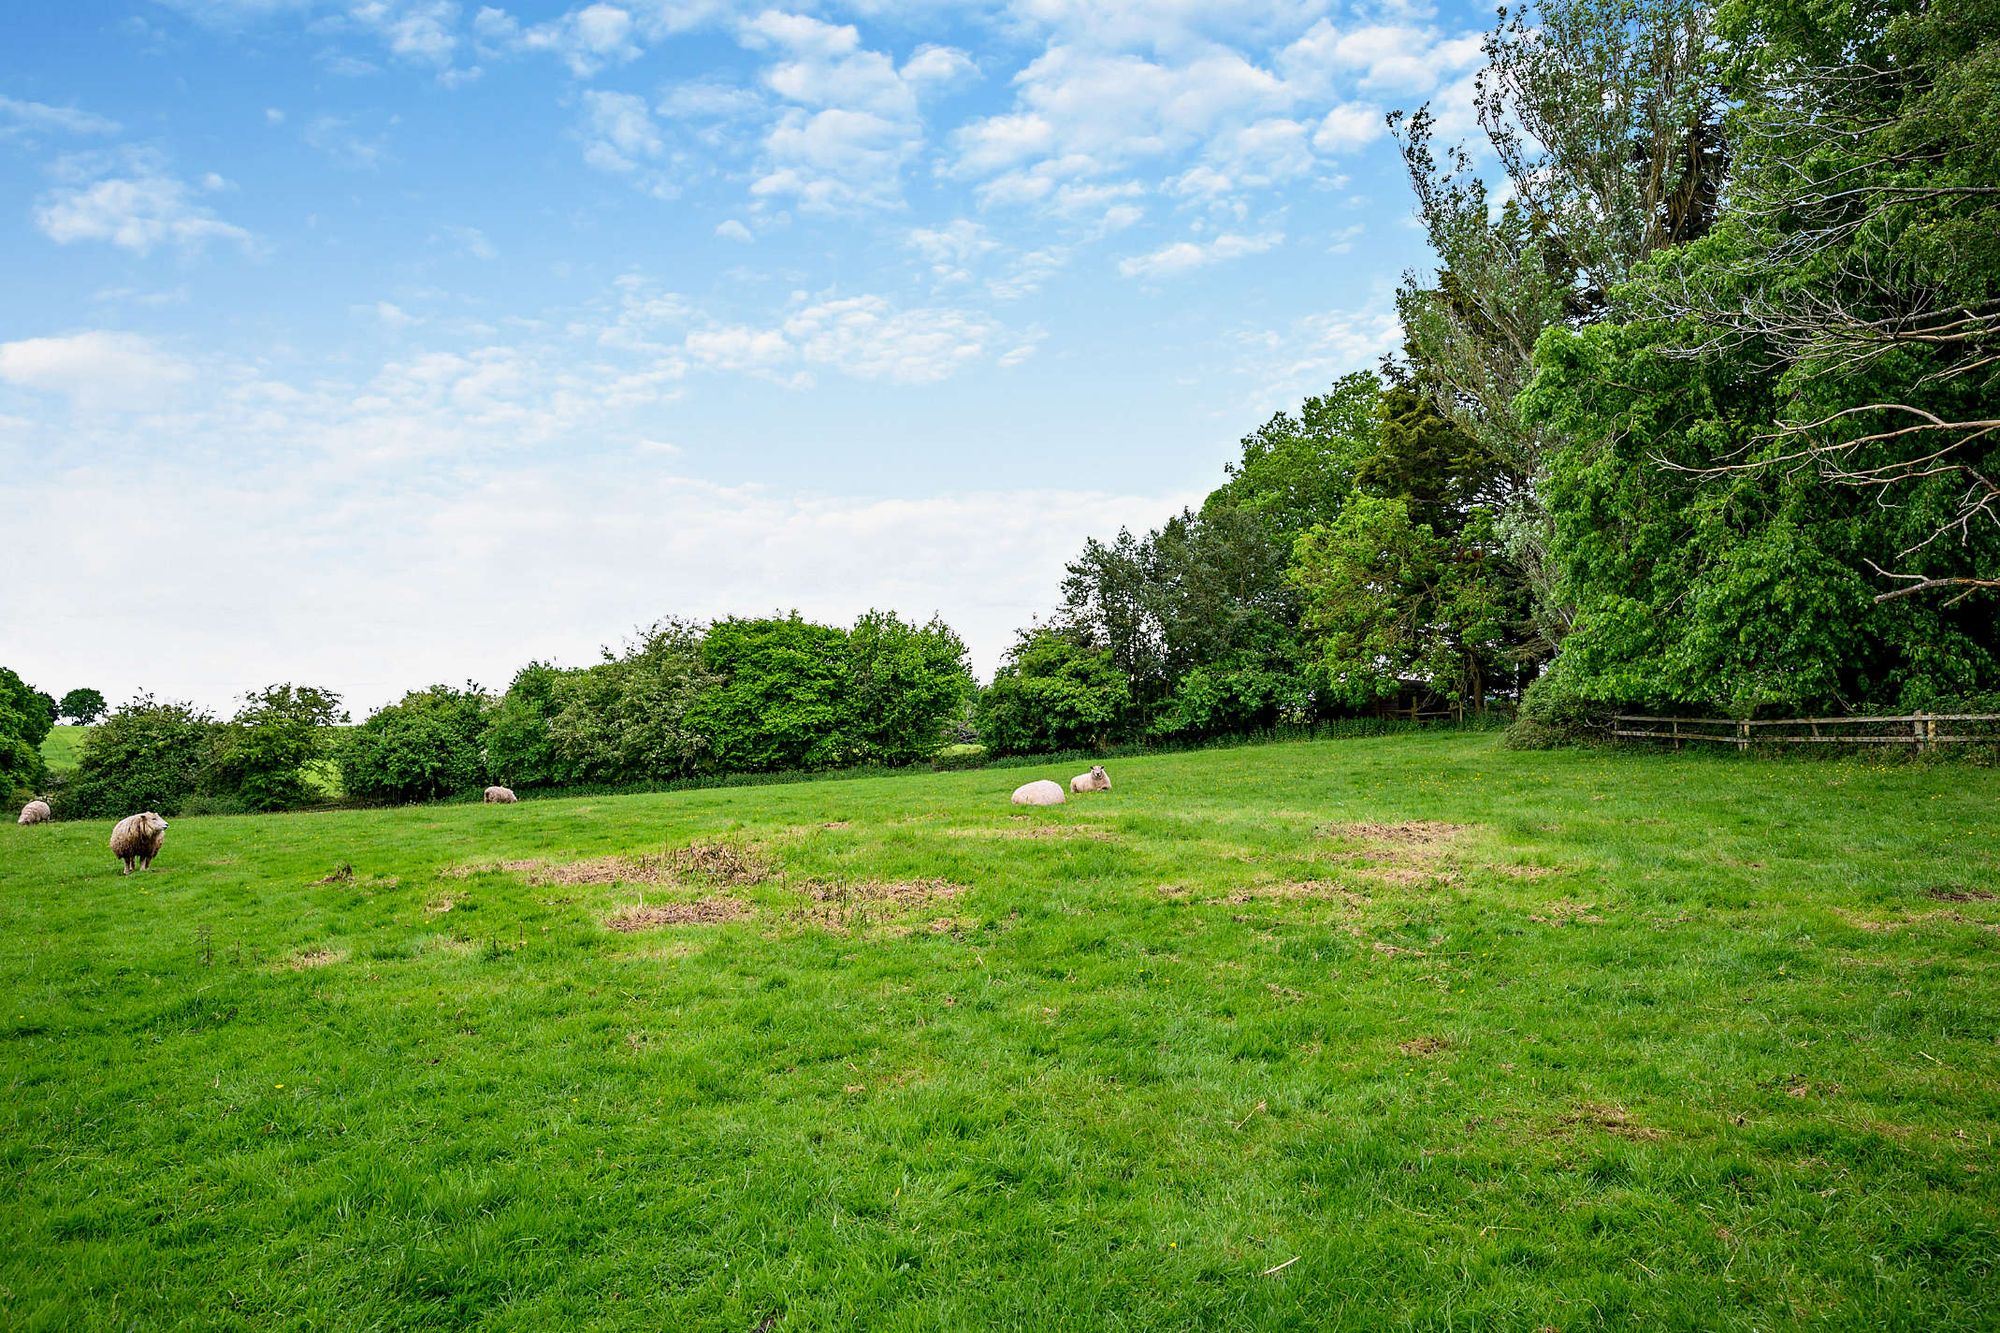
(1423, 1046)
(306, 959)
(708, 911)
(341, 874)
(1959, 893)
(698, 863)
(722, 862)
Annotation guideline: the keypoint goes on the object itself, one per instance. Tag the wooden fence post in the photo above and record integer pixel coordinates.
(1742, 736)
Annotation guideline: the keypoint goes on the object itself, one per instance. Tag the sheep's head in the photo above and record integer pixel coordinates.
(152, 823)
(1097, 772)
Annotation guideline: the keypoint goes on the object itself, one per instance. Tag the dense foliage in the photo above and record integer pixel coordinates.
(147, 755)
(265, 756)
(24, 724)
(424, 746)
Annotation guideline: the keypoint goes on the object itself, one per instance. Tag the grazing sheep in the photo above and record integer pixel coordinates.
(500, 796)
(138, 838)
(1095, 780)
(1039, 793)
(36, 812)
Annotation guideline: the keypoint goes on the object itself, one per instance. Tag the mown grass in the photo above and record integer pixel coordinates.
(1248, 1042)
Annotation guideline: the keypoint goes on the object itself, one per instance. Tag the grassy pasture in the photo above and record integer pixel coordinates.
(1408, 1032)
(62, 748)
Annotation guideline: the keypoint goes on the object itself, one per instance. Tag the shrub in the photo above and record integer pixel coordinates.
(906, 685)
(520, 749)
(779, 702)
(1051, 693)
(424, 746)
(631, 717)
(145, 756)
(261, 758)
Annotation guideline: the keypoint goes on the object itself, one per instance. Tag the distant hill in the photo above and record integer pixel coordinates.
(64, 747)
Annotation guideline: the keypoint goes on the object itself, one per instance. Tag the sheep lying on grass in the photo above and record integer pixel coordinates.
(35, 812)
(500, 796)
(1095, 780)
(1039, 793)
(138, 838)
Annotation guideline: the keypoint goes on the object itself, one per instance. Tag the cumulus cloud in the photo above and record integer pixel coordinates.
(851, 118)
(132, 202)
(865, 337)
(98, 370)
(1186, 256)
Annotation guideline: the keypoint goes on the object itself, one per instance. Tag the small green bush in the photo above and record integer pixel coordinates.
(425, 746)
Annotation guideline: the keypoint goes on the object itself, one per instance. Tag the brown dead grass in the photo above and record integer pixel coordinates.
(885, 893)
(1069, 832)
(1423, 1045)
(1318, 890)
(1609, 1119)
(306, 959)
(1567, 912)
(1411, 833)
(709, 911)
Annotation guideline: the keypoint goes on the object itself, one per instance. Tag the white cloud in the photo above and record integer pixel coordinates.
(734, 347)
(97, 370)
(1348, 126)
(1186, 256)
(852, 120)
(136, 206)
(729, 229)
(1283, 365)
(862, 337)
(587, 40)
(952, 250)
(18, 118)
(865, 337)
(620, 136)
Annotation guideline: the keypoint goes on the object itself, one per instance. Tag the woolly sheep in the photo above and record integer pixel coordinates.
(1039, 793)
(36, 812)
(1095, 780)
(138, 838)
(500, 796)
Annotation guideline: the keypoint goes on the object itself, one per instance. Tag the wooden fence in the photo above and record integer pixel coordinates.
(1924, 730)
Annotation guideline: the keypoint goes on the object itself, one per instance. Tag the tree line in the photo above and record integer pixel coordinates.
(679, 700)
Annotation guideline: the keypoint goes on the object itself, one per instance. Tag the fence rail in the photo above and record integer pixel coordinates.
(1919, 729)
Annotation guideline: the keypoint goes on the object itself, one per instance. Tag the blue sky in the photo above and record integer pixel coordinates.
(377, 342)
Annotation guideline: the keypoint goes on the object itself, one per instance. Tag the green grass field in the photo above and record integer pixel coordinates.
(63, 747)
(1408, 1032)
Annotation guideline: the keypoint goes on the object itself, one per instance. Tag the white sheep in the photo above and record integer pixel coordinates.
(500, 796)
(138, 838)
(35, 812)
(1039, 793)
(1095, 780)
